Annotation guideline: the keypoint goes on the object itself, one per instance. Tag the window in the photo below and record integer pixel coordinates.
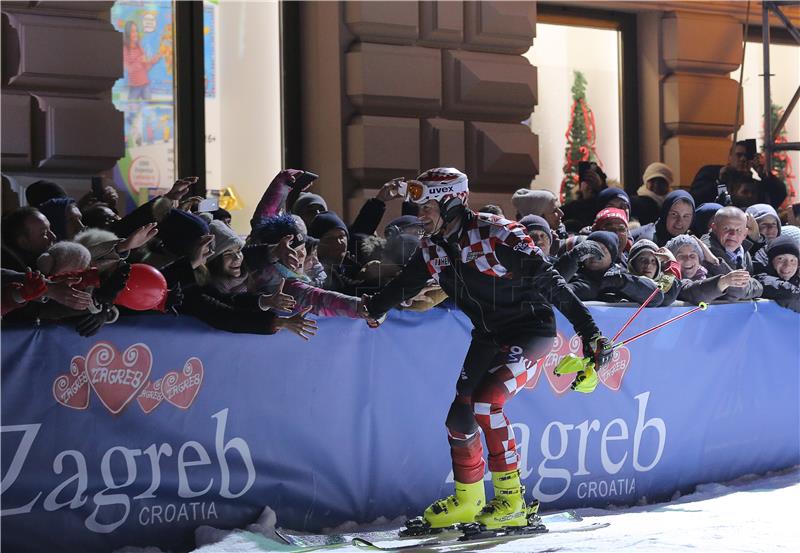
(242, 102)
(559, 51)
(785, 70)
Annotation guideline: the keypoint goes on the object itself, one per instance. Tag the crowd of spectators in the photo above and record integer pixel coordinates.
(723, 239)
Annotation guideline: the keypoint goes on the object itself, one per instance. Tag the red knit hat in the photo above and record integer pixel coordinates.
(610, 213)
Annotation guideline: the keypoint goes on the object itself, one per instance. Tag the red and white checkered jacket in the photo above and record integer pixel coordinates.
(479, 239)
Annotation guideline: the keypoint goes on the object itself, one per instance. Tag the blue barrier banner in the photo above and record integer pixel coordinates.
(159, 425)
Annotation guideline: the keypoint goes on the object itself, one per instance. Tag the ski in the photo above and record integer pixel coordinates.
(485, 537)
(309, 540)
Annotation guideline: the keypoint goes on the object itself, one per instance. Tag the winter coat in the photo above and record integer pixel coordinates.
(618, 285)
(645, 206)
(751, 291)
(703, 290)
(704, 187)
(579, 213)
(326, 303)
(238, 313)
(786, 293)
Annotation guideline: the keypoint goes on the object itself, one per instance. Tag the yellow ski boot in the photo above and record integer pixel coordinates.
(508, 508)
(456, 509)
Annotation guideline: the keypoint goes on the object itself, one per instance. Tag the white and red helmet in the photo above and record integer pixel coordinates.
(441, 184)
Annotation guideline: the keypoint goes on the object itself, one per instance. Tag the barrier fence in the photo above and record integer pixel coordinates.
(158, 425)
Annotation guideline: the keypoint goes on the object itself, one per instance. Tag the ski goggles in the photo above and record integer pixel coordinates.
(415, 190)
(419, 192)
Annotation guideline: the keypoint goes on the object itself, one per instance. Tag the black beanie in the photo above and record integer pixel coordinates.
(782, 245)
(324, 222)
(42, 190)
(180, 230)
(609, 240)
(535, 222)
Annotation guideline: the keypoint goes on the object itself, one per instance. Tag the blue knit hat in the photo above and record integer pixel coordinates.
(609, 240)
(534, 222)
(609, 194)
(180, 230)
(271, 229)
(702, 217)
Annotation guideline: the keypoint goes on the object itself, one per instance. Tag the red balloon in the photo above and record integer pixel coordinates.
(146, 289)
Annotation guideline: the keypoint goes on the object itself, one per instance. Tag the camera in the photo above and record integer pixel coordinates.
(723, 196)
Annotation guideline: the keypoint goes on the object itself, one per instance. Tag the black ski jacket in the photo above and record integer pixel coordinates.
(495, 275)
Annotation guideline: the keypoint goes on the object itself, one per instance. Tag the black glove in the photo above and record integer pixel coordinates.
(588, 249)
(174, 299)
(612, 280)
(113, 284)
(598, 348)
(90, 324)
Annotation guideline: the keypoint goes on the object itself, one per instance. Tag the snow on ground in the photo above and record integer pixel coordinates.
(756, 514)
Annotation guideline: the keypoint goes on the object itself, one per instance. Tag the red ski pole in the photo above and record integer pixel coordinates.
(702, 307)
(644, 304)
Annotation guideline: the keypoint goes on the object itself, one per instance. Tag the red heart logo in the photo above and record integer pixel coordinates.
(115, 378)
(181, 389)
(611, 375)
(561, 347)
(151, 396)
(72, 390)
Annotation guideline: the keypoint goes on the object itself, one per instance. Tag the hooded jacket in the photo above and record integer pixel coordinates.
(751, 291)
(657, 232)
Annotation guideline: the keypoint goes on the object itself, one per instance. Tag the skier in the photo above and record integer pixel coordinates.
(497, 276)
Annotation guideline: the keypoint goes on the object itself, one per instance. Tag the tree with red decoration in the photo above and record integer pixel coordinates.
(581, 137)
(781, 162)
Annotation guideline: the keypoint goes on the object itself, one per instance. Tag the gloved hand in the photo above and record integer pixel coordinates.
(612, 280)
(113, 284)
(668, 276)
(588, 249)
(33, 286)
(597, 352)
(598, 349)
(90, 324)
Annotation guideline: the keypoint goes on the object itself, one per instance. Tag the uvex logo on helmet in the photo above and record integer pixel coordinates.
(440, 190)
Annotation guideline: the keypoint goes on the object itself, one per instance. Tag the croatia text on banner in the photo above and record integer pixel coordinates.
(158, 425)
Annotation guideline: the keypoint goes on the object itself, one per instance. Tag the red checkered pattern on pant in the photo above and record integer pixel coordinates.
(500, 384)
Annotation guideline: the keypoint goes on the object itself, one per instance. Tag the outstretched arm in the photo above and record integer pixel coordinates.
(405, 285)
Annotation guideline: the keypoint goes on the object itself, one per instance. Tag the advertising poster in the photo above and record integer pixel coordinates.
(146, 95)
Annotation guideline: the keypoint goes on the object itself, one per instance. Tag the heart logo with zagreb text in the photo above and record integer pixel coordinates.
(118, 378)
(151, 396)
(180, 389)
(72, 389)
(611, 375)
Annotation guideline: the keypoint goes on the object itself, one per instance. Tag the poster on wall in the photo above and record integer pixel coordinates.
(145, 95)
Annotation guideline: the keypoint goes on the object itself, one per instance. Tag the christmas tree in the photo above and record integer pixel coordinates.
(581, 136)
(781, 163)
